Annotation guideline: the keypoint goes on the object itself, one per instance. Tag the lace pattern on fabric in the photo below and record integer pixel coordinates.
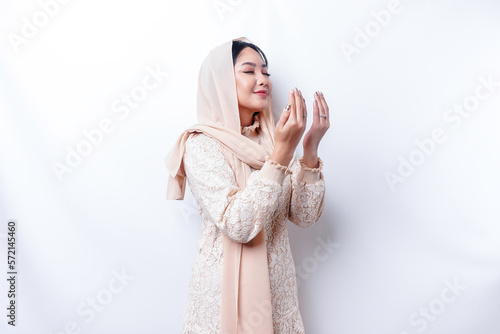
(241, 214)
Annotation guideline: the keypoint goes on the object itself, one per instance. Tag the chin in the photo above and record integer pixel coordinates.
(261, 106)
(256, 106)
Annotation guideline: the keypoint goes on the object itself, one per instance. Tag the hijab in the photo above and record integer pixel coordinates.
(246, 291)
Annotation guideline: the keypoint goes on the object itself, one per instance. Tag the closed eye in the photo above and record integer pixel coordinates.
(262, 73)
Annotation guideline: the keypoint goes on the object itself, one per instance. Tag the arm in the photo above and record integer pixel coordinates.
(307, 202)
(239, 213)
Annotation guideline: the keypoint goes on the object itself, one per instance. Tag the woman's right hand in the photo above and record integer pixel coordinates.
(290, 128)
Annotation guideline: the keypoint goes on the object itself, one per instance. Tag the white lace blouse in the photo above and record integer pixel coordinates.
(270, 199)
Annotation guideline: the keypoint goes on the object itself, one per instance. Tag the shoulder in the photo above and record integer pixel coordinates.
(198, 141)
(201, 149)
(204, 156)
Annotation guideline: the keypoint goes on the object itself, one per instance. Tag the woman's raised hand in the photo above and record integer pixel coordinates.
(290, 128)
(321, 123)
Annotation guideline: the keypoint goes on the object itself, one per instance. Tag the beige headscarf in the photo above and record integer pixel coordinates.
(246, 295)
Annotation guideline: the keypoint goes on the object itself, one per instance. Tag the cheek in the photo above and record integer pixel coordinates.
(241, 85)
(246, 84)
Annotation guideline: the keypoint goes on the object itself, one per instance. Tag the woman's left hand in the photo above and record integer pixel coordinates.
(316, 132)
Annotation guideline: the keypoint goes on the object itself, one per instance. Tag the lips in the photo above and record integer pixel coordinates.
(262, 93)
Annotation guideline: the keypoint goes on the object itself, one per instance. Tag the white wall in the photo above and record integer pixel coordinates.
(100, 249)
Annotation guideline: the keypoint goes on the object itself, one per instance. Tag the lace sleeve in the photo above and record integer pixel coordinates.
(238, 213)
(307, 202)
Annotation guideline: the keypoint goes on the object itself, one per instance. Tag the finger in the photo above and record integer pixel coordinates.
(304, 111)
(291, 102)
(285, 114)
(321, 109)
(299, 108)
(304, 106)
(316, 117)
(324, 106)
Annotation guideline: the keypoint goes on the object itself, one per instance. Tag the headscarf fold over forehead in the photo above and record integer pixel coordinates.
(245, 283)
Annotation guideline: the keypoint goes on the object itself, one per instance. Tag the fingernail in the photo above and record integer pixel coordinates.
(291, 91)
(296, 89)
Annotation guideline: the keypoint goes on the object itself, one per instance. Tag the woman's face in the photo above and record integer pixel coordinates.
(253, 85)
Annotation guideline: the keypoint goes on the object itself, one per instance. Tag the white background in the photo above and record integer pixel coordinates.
(393, 253)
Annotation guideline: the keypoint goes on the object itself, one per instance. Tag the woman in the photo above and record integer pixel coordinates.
(242, 171)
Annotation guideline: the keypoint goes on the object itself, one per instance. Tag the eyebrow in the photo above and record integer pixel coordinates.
(252, 64)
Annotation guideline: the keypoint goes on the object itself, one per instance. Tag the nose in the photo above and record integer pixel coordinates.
(263, 80)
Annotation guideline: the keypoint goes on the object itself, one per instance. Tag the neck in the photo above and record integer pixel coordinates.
(246, 119)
